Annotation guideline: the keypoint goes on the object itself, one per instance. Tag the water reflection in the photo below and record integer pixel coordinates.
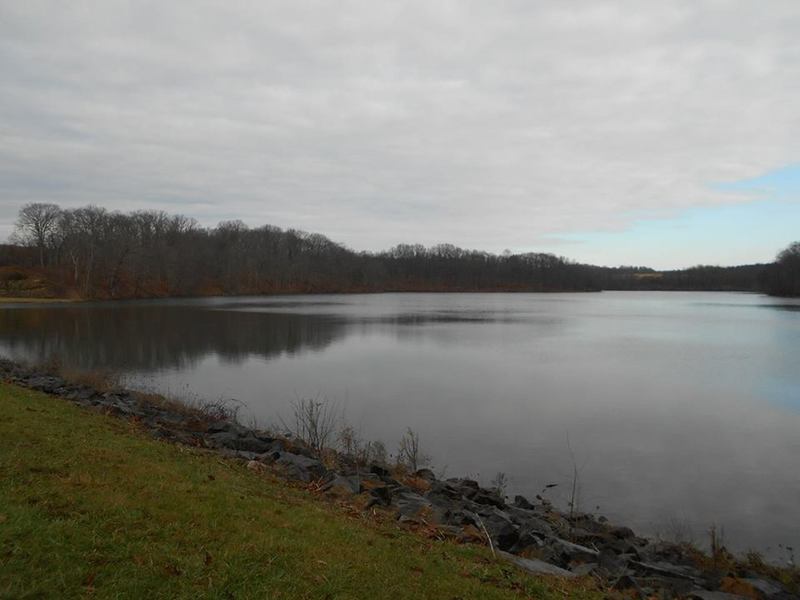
(787, 307)
(151, 337)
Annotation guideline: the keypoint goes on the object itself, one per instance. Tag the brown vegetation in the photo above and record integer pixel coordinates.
(90, 252)
(95, 253)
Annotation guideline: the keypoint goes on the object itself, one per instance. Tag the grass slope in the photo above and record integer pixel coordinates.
(90, 507)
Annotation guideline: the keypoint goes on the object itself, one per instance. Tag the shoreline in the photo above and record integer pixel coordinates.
(6, 300)
(532, 534)
(277, 294)
(24, 300)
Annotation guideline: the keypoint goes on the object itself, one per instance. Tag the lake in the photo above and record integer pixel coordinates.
(679, 410)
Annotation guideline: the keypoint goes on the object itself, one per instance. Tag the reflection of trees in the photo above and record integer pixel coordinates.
(143, 337)
(147, 336)
(784, 307)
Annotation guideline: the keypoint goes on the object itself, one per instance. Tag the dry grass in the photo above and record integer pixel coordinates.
(724, 562)
(25, 300)
(199, 413)
(101, 380)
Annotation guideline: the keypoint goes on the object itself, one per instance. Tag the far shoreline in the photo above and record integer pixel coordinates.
(10, 300)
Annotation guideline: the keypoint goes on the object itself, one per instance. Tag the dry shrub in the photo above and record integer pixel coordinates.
(472, 535)
(203, 412)
(358, 452)
(732, 585)
(218, 410)
(418, 484)
(500, 484)
(409, 453)
(100, 380)
(789, 575)
(51, 365)
(314, 422)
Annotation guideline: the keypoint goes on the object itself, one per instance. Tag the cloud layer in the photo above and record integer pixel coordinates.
(487, 124)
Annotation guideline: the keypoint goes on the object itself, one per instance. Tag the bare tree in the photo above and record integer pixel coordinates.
(500, 484)
(314, 422)
(350, 444)
(36, 224)
(374, 452)
(409, 453)
(108, 254)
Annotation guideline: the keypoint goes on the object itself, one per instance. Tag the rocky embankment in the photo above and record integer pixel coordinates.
(534, 535)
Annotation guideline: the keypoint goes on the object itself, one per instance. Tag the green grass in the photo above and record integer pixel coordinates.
(91, 507)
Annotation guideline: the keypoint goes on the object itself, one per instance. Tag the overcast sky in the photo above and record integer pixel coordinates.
(660, 133)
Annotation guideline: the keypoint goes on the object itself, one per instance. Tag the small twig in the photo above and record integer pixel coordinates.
(573, 500)
(486, 533)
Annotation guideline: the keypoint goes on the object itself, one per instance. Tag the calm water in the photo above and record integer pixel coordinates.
(681, 409)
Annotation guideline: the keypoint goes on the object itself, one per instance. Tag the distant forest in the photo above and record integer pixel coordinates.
(91, 252)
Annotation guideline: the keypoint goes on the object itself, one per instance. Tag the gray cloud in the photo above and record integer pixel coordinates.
(486, 124)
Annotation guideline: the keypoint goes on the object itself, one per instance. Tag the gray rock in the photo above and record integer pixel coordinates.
(184, 437)
(465, 487)
(253, 444)
(573, 552)
(172, 419)
(444, 494)
(224, 439)
(276, 443)
(425, 474)
(622, 533)
(504, 533)
(527, 539)
(409, 504)
(381, 496)
(488, 498)
(536, 567)
(302, 461)
(84, 393)
(767, 587)
(529, 520)
(522, 502)
(161, 434)
(397, 488)
(45, 383)
(664, 552)
(667, 569)
(350, 485)
(217, 427)
(246, 455)
(584, 569)
(291, 471)
(675, 586)
(250, 443)
(612, 564)
(229, 427)
(709, 595)
(301, 467)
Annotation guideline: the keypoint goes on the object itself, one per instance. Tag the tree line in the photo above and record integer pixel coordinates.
(97, 253)
(92, 252)
(782, 278)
